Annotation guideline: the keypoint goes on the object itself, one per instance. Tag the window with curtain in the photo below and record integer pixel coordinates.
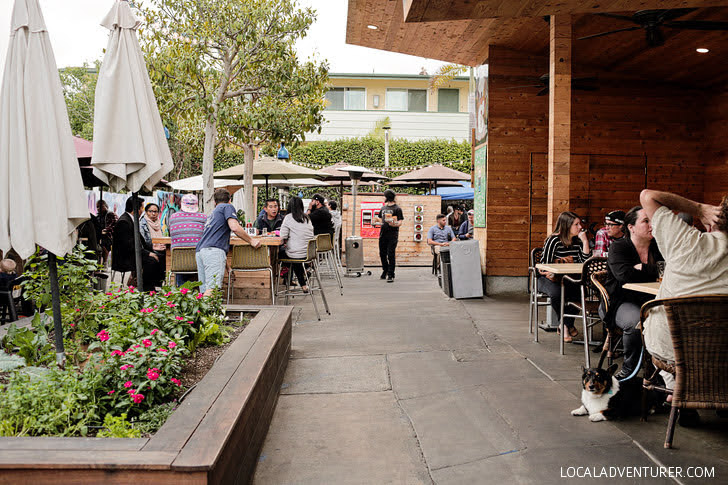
(396, 100)
(341, 99)
(417, 100)
(448, 100)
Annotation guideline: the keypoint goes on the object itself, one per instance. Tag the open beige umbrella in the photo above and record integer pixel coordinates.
(41, 193)
(434, 174)
(130, 147)
(336, 174)
(269, 168)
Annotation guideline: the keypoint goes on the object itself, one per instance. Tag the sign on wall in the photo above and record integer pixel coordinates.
(481, 105)
(480, 160)
(481, 172)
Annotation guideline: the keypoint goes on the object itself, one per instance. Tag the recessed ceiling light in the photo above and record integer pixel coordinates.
(373, 27)
(702, 50)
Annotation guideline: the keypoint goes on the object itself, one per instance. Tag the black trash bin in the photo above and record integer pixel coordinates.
(446, 270)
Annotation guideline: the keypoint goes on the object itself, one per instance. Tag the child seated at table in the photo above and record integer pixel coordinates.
(7, 272)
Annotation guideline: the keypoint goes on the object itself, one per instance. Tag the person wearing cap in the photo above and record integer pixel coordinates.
(390, 216)
(271, 219)
(613, 229)
(466, 228)
(185, 230)
(320, 216)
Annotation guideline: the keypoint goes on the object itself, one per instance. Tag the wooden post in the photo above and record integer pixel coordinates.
(559, 189)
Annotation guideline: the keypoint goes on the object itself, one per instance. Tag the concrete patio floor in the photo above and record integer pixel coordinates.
(404, 385)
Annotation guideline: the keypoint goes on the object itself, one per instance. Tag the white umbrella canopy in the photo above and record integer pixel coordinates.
(130, 147)
(195, 184)
(270, 168)
(41, 193)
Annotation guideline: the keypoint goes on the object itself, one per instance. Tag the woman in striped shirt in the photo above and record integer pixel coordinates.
(568, 243)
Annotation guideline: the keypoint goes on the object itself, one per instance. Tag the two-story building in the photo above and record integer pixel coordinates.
(356, 102)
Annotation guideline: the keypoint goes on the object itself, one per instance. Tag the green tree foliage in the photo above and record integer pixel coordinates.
(79, 90)
(231, 67)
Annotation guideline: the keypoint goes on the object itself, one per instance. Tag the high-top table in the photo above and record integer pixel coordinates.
(561, 269)
(249, 288)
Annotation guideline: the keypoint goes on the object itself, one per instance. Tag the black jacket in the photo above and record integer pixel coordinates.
(623, 256)
(122, 249)
(321, 220)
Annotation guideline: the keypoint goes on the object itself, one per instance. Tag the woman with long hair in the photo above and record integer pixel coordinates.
(568, 244)
(296, 231)
(632, 259)
(150, 227)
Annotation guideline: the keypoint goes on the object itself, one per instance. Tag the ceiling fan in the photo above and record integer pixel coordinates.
(654, 20)
(577, 83)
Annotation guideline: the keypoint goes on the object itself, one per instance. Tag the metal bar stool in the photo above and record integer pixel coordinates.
(312, 260)
(183, 261)
(247, 259)
(325, 251)
(536, 298)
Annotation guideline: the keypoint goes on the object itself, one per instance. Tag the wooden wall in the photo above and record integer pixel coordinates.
(716, 127)
(409, 252)
(625, 136)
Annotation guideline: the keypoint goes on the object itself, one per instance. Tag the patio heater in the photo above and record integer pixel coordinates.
(354, 243)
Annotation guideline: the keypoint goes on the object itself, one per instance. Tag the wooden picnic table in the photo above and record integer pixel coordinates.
(561, 269)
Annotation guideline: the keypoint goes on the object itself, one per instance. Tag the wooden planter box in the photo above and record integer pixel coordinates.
(213, 437)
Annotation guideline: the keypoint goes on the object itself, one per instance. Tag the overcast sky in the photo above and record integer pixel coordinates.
(77, 37)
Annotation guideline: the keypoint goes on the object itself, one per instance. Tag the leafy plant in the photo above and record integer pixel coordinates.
(10, 362)
(154, 418)
(118, 427)
(32, 345)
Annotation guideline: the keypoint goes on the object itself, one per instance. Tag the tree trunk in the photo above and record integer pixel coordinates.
(249, 206)
(208, 161)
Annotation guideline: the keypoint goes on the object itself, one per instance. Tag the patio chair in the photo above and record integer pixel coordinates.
(698, 330)
(183, 261)
(536, 298)
(247, 259)
(325, 253)
(311, 260)
(612, 333)
(435, 260)
(588, 306)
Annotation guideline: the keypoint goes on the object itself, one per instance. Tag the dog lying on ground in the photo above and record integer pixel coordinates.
(604, 397)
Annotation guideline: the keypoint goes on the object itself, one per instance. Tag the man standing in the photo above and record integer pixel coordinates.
(270, 220)
(123, 258)
(390, 216)
(613, 229)
(695, 262)
(215, 242)
(185, 230)
(467, 227)
(440, 234)
(455, 220)
(105, 221)
(320, 216)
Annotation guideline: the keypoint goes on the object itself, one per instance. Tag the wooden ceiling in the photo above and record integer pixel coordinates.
(466, 41)
(439, 10)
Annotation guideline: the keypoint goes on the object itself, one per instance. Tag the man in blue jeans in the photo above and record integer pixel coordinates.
(215, 242)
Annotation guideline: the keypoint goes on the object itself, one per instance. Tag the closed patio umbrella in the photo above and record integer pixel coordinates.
(41, 193)
(130, 148)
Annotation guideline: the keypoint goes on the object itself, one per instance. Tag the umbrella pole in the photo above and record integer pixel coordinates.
(266, 187)
(137, 244)
(56, 303)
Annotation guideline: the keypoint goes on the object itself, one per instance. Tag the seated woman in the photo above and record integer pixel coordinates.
(150, 227)
(632, 259)
(569, 243)
(296, 231)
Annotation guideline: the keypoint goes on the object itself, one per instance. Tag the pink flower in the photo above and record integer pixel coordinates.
(131, 391)
(137, 346)
(128, 384)
(116, 352)
(168, 293)
(131, 288)
(103, 335)
(137, 398)
(109, 294)
(126, 366)
(110, 392)
(155, 331)
(200, 296)
(152, 293)
(170, 304)
(102, 306)
(179, 318)
(153, 374)
(184, 291)
(161, 350)
(172, 345)
(190, 322)
(78, 309)
(147, 342)
(71, 324)
(176, 381)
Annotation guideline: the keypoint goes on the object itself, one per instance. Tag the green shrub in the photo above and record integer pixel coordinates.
(118, 427)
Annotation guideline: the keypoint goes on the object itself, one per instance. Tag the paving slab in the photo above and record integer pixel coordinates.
(353, 438)
(339, 374)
